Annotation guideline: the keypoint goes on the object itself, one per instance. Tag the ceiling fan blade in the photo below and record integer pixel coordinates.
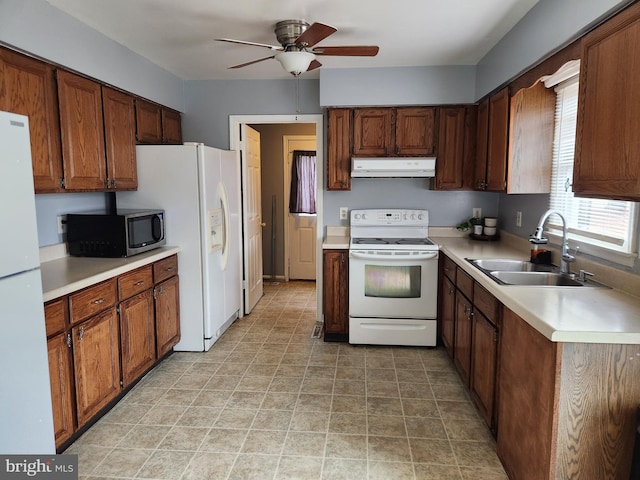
(253, 61)
(314, 34)
(350, 51)
(313, 65)
(242, 42)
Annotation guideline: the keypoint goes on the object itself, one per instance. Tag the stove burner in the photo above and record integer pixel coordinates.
(392, 241)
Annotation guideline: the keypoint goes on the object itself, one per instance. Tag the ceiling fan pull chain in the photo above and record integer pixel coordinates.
(298, 94)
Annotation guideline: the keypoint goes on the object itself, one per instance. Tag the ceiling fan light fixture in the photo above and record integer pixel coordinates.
(295, 62)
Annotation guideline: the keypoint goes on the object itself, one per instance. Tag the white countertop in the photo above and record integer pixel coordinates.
(69, 274)
(562, 314)
(336, 238)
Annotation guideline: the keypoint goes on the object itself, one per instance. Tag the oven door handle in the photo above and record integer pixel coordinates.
(364, 256)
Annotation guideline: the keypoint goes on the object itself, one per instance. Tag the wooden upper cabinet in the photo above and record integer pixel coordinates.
(482, 137)
(607, 155)
(28, 87)
(415, 131)
(82, 127)
(531, 130)
(171, 127)
(497, 138)
(339, 149)
(372, 129)
(120, 127)
(456, 147)
(148, 122)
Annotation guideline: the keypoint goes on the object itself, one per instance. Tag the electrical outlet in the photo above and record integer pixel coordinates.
(62, 224)
(477, 213)
(344, 213)
(518, 218)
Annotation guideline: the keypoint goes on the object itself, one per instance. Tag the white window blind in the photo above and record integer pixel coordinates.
(603, 223)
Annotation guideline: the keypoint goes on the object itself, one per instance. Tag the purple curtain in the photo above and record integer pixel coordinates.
(302, 198)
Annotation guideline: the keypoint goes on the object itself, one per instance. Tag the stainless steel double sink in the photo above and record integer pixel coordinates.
(521, 272)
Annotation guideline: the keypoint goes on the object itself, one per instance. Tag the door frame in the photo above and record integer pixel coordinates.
(287, 192)
(235, 144)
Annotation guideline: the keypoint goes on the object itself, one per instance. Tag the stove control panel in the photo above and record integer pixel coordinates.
(394, 217)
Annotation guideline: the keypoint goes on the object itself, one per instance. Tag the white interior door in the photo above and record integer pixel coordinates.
(252, 199)
(300, 237)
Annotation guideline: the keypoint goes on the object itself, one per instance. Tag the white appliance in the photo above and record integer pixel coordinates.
(393, 167)
(199, 189)
(393, 278)
(26, 417)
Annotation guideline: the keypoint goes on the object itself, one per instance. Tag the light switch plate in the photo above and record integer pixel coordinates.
(344, 213)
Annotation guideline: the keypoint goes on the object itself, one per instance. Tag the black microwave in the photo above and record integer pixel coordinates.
(125, 233)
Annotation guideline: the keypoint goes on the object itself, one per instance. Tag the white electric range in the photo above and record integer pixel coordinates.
(393, 278)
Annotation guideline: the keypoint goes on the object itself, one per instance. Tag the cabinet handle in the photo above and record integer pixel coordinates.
(98, 301)
(169, 269)
(137, 284)
(81, 333)
(69, 340)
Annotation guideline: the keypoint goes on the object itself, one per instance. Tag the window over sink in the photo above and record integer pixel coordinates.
(606, 228)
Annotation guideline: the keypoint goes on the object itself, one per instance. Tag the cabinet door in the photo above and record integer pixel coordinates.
(451, 142)
(482, 137)
(531, 129)
(62, 386)
(148, 122)
(447, 314)
(497, 141)
(372, 131)
(27, 87)
(607, 156)
(171, 127)
(96, 361)
(484, 353)
(137, 336)
(120, 137)
(339, 149)
(415, 131)
(167, 305)
(462, 344)
(82, 129)
(335, 296)
(528, 374)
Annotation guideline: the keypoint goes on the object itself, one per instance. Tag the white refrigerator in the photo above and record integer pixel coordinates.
(199, 189)
(26, 418)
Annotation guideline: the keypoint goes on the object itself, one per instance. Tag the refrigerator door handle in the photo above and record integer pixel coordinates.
(224, 200)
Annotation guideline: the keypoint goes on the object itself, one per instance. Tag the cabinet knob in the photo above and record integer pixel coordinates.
(81, 333)
(98, 301)
(140, 283)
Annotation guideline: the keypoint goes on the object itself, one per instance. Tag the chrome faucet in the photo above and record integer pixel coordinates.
(566, 258)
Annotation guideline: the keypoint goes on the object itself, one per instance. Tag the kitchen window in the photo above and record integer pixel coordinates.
(605, 228)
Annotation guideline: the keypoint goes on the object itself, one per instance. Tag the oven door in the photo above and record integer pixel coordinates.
(393, 284)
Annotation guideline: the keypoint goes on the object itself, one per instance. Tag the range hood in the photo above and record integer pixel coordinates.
(393, 166)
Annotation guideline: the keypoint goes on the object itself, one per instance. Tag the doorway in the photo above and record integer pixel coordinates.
(237, 143)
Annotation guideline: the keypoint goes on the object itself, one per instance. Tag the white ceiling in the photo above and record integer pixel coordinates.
(178, 35)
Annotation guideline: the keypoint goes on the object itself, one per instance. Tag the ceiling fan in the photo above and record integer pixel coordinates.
(297, 51)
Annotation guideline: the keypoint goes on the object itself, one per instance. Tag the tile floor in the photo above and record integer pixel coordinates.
(270, 402)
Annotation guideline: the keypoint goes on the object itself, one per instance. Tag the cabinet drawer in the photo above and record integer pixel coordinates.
(486, 303)
(164, 269)
(464, 282)
(92, 300)
(449, 268)
(135, 282)
(55, 316)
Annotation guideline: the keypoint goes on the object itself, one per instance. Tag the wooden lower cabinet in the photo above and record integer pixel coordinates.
(462, 345)
(484, 355)
(96, 361)
(447, 314)
(167, 309)
(137, 336)
(62, 386)
(335, 294)
(99, 346)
